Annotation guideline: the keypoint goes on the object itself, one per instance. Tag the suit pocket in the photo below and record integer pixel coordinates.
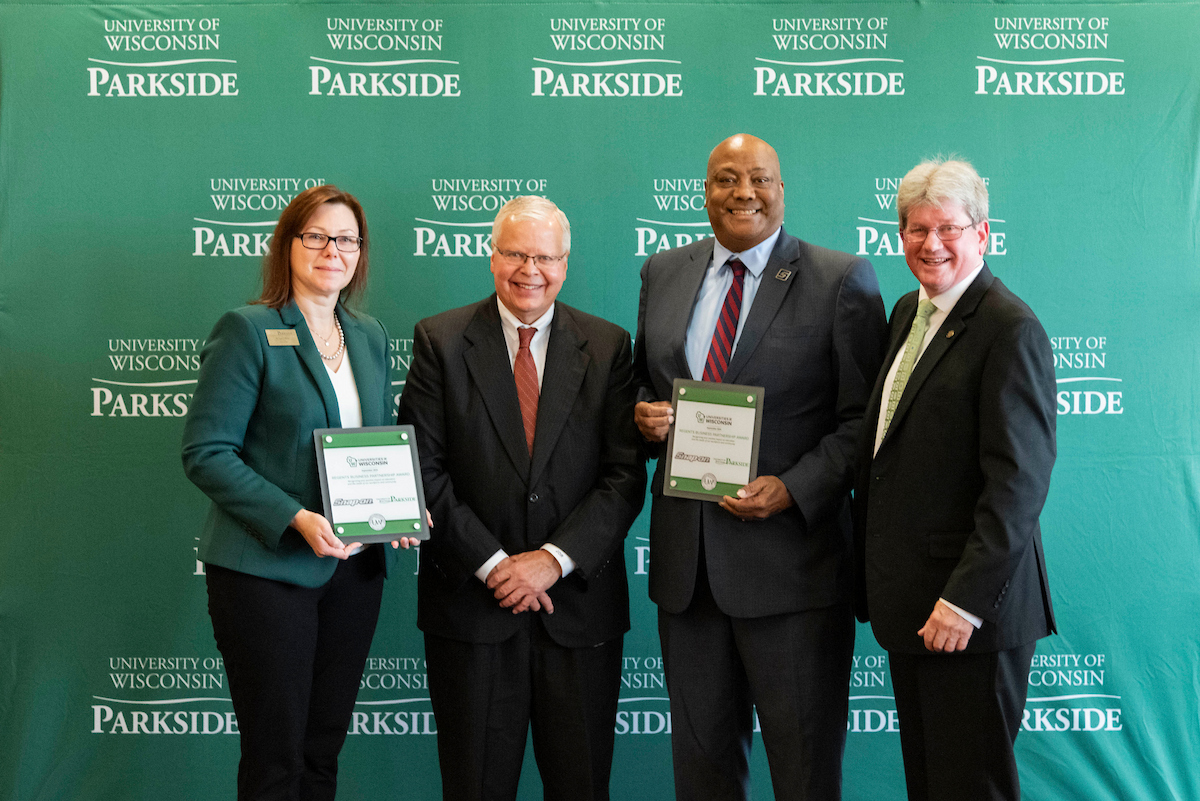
(947, 544)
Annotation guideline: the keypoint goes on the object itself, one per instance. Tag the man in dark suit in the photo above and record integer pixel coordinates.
(954, 468)
(754, 593)
(533, 472)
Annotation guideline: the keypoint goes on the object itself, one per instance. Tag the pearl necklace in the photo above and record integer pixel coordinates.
(341, 342)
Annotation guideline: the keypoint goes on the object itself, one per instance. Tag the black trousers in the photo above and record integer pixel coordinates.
(485, 696)
(959, 716)
(294, 657)
(794, 669)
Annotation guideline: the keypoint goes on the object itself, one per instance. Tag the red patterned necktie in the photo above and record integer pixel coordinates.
(525, 374)
(722, 341)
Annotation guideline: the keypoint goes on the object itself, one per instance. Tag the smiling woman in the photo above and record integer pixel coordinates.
(295, 360)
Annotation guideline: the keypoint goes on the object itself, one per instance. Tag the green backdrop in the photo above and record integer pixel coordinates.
(146, 150)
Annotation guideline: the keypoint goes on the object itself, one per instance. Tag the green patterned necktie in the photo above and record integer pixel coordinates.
(911, 348)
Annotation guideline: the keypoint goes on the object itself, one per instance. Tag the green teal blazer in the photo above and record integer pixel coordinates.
(248, 444)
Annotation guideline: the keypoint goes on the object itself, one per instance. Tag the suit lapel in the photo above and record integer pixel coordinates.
(366, 376)
(902, 320)
(691, 276)
(777, 279)
(310, 357)
(486, 357)
(950, 333)
(566, 365)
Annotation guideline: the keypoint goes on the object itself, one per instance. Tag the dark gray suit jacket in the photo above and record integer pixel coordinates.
(813, 340)
(949, 505)
(581, 490)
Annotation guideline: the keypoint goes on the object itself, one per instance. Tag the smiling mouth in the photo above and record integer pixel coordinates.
(744, 212)
(527, 287)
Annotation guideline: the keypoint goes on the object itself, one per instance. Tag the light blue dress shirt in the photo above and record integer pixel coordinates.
(717, 280)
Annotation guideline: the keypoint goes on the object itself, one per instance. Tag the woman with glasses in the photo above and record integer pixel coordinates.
(293, 608)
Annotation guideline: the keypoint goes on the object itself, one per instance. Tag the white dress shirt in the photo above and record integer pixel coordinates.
(537, 348)
(349, 404)
(944, 304)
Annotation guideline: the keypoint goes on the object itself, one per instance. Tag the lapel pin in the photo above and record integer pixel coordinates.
(783, 275)
(950, 334)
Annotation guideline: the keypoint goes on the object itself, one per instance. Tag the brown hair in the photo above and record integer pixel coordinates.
(277, 265)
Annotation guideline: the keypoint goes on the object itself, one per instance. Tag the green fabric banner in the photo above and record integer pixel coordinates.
(146, 151)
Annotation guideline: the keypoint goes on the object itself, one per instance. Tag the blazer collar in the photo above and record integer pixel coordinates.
(950, 333)
(777, 279)
(310, 357)
(486, 356)
(566, 365)
(691, 276)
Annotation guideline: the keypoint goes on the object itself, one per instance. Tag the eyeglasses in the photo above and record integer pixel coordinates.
(346, 244)
(518, 258)
(946, 233)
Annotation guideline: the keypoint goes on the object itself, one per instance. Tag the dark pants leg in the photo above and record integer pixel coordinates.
(294, 657)
(486, 695)
(795, 668)
(959, 717)
(575, 692)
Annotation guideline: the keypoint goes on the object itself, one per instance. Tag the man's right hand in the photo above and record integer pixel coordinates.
(653, 419)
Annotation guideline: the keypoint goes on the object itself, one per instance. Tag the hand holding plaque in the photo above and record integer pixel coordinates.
(371, 483)
(712, 450)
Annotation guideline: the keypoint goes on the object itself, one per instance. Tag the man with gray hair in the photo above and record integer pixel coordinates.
(523, 409)
(954, 467)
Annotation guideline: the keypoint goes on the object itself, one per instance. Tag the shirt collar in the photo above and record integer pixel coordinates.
(946, 300)
(755, 258)
(510, 323)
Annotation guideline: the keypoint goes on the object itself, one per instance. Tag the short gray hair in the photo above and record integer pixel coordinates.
(533, 207)
(939, 181)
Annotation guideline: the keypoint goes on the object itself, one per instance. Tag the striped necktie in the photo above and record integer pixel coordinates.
(525, 374)
(721, 350)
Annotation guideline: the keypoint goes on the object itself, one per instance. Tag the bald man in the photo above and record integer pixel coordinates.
(754, 592)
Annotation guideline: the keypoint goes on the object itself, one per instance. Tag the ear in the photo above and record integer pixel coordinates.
(984, 234)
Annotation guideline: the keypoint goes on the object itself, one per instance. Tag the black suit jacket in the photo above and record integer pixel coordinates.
(949, 505)
(581, 490)
(814, 341)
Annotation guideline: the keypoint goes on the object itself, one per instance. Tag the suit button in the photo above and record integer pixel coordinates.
(533, 497)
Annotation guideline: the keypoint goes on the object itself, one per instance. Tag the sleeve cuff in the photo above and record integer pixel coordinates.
(565, 562)
(484, 570)
(974, 620)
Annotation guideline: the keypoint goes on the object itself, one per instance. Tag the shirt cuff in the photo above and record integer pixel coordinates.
(565, 562)
(483, 572)
(974, 620)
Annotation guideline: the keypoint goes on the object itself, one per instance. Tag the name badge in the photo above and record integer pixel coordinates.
(282, 337)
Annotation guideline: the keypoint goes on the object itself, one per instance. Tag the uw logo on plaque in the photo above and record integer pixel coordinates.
(393, 698)
(377, 521)
(1067, 693)
(480, 199)
(680, 196)
(708, 481)
(176, 57)
(622, 69)
(835, 62)
(163, 695)
(383, 57)
(879, 233)
(1080, 363)
(1025, 63)
(150, 377)
(261, 198)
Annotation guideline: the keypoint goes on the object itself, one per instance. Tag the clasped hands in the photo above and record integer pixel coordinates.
(520, 581)
(758, 500)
